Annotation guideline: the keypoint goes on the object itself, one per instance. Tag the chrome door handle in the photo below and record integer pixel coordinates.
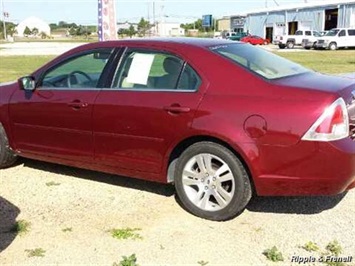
(176, 109)
(77, 104)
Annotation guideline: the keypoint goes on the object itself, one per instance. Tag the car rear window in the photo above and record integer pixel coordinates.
(259, 61)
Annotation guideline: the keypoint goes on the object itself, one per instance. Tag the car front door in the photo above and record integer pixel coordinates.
(55, 120)
(152, 100)
(342, 42)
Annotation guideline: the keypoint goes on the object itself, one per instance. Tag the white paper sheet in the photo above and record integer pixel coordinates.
(140, 68)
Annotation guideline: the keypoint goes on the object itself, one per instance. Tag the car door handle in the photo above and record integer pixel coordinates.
(76, 104)
(176, 109)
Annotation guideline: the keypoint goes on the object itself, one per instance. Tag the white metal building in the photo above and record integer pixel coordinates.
(31, 23)
(168, 29)
(324, 15)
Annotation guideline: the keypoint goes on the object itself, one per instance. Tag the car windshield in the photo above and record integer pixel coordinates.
(332, 33)
(259, 61)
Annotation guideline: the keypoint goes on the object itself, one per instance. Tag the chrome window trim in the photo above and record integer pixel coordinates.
(66, 89)
(148, 90)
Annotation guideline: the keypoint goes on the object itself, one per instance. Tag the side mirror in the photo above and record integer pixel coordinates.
(27, 83)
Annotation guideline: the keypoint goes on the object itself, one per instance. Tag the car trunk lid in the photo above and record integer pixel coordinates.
(341, 85)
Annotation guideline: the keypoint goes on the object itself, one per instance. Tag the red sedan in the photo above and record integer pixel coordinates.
(161, 110)
(254, 40)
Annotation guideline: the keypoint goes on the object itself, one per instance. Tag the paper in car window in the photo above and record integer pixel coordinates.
(140, 68)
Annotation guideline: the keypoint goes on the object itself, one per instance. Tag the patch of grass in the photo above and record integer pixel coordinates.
(310, 246)
(334, 248)
(273, 254)
(52, 183)
(258, 229)
(13, 67)
(127, 261)
(21, 227)
(126, 233)
(202, 262)
(38, 252)
(329, 62)
(67, 229)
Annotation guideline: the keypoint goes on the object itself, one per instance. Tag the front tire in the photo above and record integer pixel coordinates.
(290, 45)
(211, 182)
(333, 46)
(7, 156)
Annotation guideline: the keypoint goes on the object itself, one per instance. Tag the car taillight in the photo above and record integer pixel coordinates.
(333, 124)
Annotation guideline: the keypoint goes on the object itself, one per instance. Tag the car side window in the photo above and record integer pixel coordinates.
(80, 72)
(189, 79)
(351, 32)
(341, 33)
(153, 70)
(308, 33)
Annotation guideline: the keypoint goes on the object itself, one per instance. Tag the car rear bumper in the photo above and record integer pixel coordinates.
(309, 168)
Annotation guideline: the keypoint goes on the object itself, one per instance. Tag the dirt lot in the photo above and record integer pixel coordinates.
(71, 212)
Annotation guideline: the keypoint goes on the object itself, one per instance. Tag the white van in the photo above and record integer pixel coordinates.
(337, 38)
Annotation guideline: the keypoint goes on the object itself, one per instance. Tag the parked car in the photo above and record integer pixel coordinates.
(235, 36)
(160, 110)
(337, 38)
(298, 39)
(253, 39)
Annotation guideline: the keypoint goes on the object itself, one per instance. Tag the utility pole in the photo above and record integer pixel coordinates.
(4, 14)
(154, 22)
(162, 21)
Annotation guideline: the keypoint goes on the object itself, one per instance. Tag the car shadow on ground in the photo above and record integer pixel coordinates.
(116, 180)
(294, 205)
(8, 214)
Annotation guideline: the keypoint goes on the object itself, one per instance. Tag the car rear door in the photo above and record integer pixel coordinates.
(351, 35)
(55, 120)
(152, 102)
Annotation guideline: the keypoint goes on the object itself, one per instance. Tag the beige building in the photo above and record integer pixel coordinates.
(224, 24)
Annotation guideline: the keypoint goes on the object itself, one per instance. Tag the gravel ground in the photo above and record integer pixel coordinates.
(53, 198)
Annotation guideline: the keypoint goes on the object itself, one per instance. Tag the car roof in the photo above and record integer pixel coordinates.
(198, 42)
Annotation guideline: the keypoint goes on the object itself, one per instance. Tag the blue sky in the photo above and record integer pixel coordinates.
(84, 11)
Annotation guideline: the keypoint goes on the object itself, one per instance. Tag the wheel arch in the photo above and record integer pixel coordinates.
(182, 145)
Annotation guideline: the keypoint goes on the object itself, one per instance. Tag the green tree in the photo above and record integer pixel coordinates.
(196, 25)
(43, 35)
(62, 24)
(143, 27)
(53, 26)
(131, 31)
(27, 31)
(72, 31)
(10, 29)
(121, 32)
(34, 31)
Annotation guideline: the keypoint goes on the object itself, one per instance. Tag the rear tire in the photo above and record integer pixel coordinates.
(211, 182)
(7, 156)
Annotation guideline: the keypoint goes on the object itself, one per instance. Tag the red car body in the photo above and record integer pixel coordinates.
(140, 133)
(255, 40)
